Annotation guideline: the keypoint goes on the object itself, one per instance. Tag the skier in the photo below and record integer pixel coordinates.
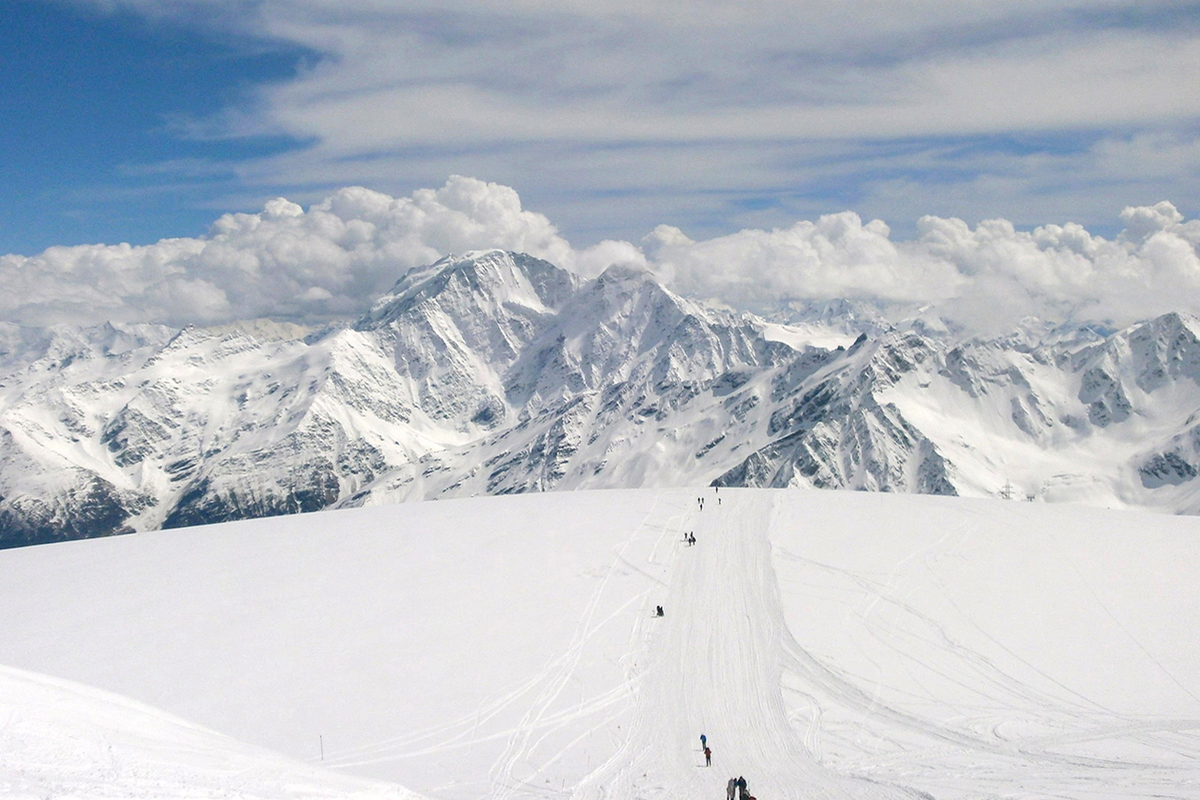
(741, 785)
(703, 741)
(730, 788)
(707, 757)
(658, 612)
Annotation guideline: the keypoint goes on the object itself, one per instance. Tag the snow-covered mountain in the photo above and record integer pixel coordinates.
(497, 373)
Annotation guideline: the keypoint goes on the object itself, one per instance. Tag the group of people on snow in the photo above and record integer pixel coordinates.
(737, 786)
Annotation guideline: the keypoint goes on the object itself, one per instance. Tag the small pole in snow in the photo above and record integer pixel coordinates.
(322, 740)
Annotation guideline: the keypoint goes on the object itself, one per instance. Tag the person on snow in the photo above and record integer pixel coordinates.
(730, 788)
(707, 757)
(703, 741)
(658, 612)
(741, 785)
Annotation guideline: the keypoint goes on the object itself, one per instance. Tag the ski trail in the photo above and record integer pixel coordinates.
(516, 758)
(715, 666)
(932, 752)
(1009, 692)
(537, 702)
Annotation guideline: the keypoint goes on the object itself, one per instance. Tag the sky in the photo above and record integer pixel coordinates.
(129, 121)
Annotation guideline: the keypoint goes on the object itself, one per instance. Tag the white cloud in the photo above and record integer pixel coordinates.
(406, 79)
(837, 256)
(330, 260)
(985, 278)
(337, 256)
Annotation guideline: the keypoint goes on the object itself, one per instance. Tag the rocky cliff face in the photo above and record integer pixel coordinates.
(496, 372)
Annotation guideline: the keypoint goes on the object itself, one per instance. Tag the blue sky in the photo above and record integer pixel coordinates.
(130, 120)
(91, 103)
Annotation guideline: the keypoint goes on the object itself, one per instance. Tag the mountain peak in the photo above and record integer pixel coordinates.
(493, 372)
(473, 280)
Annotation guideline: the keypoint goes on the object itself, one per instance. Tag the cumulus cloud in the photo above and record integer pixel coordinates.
(836, 256)
(328, 261)
(336, 257)
(985, 278)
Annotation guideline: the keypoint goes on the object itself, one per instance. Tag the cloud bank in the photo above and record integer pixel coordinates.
(985, 278)
(333, 259)
(329, 261)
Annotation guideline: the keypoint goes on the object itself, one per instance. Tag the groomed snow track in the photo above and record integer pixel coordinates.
(713, 664)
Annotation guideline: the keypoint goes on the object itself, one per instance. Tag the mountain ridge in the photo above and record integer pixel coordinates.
(494, 372)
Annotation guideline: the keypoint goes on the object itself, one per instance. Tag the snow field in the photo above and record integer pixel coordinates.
(983, 648)
(59, 740)
(830, 644)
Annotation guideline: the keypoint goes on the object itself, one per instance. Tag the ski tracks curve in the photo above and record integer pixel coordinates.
(714, 665)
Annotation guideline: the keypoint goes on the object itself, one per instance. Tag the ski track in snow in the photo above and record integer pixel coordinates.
(915, 696)
(556, 676)
(514, 769)
(713, 665)
(1025, 767)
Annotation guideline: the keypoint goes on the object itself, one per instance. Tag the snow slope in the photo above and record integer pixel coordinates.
(829, 644)
(61, 739)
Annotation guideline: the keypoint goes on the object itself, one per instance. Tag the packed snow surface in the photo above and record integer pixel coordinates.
(828, 644)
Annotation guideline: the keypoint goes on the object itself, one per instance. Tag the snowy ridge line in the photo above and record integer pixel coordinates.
(497, 373)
